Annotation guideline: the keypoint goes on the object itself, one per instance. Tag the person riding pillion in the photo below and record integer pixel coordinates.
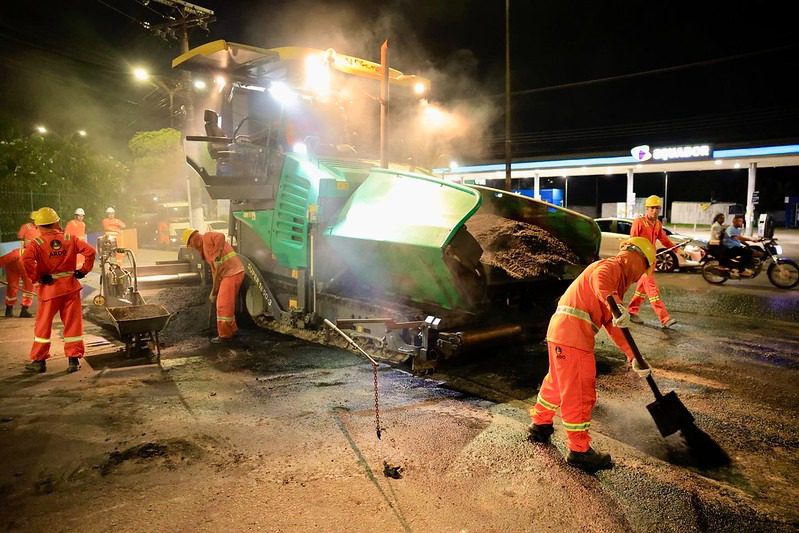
(650, 227)
(228, 274)
(51, 259)
(570, 383)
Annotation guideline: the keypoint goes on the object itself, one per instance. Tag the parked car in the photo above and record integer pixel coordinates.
(615, 230)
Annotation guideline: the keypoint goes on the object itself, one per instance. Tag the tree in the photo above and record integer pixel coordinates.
(158, 162)
(55, 171)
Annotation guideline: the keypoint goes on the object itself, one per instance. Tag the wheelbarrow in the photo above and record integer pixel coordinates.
(138, 326)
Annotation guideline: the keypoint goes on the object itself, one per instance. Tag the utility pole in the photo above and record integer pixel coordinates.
(183, 17)
(508, 150)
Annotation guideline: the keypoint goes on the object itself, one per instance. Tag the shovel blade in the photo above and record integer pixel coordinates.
(670, 414)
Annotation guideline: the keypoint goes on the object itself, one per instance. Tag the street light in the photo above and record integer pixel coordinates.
(41, 129)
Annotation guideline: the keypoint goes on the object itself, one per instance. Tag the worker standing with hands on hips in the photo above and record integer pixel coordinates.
(77, 228)
(228, 274)
(51, 259)
(570, 383)
(15, 270)
(650, 228)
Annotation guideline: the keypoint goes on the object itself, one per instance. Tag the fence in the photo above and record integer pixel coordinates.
(16, 206)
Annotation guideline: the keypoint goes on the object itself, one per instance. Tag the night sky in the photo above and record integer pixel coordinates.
(599, 76)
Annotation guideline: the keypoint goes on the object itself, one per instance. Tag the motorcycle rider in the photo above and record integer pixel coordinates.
(734, 241)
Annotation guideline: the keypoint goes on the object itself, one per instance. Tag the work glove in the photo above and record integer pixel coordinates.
(623, 320)
(79, 274)
(46, 279)
(212, 297)
(643, 373)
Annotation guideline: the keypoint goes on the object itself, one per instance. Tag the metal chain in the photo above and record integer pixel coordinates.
(377, 404)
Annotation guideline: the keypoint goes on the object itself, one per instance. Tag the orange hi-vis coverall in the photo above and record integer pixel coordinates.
(228, 269)
(27, 232)
(571, 381)
(15, 270)
(77, 228)
(55, 253)
(647, 286)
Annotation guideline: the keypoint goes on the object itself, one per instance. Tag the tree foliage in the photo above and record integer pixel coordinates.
(158, 160)
(60, 172)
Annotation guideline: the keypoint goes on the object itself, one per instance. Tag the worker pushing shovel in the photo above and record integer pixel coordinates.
(570, 383)
(228, 274)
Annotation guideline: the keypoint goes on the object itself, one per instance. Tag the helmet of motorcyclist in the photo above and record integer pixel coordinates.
(187, 233)
(45, 216)
(644, 247)
(653, 201)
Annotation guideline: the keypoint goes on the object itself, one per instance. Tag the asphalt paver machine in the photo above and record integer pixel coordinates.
(329, 227)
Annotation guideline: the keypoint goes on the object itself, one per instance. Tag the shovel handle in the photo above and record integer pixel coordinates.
(614, 308)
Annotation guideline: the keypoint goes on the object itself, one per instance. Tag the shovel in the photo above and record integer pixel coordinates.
(667, 410)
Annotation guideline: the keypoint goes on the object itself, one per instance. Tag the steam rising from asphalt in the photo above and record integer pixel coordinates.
(360, 33)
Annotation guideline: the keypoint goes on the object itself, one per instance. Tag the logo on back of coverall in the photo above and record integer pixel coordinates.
(559, 353)
(56, 246)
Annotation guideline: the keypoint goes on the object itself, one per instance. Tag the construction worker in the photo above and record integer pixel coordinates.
(228, 273)
(12, 263)
(51, 259)
(112, 226)
(650, 228)
(77, 228)
(570, 383)
(28, 231)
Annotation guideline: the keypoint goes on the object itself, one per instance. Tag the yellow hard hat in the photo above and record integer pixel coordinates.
(644, 247)
(33, 215)
(653, 201)
(45, 216)
(187, 233)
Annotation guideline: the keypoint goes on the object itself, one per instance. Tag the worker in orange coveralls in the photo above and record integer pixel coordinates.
(650, 228)
(228, 273)
(12, 263)
(51, 259)
(28, 231)
(571, 381)
(77, 228)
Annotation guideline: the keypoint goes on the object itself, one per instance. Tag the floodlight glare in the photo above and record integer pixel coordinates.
(41, 129)
(200, 85)
(141, 74)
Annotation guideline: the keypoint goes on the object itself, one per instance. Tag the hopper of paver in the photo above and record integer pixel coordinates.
(403, 234)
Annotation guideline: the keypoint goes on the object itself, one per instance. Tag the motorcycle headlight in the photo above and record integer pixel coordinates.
(778, 249)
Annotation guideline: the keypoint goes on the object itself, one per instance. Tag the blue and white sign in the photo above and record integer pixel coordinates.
(644, 153)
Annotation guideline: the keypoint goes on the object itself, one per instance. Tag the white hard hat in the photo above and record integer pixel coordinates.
(80, 211)
(110, 210)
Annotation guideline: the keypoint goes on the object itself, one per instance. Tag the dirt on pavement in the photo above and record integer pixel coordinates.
(276, 434)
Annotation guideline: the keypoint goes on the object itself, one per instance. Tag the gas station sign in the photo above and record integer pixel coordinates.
(644, 153)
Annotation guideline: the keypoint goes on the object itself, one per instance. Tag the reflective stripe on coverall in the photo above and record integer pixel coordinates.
(647, 286)
(55, 253)
(571, 381)
(227, 267)
(12, 263)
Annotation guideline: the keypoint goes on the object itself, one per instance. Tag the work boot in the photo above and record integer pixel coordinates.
(74, 365)
(635, 319)
(669, 324)
(24, 313)
(590, 461)
(36, 366)
(221, 340)
(9, 311)
(540, 433)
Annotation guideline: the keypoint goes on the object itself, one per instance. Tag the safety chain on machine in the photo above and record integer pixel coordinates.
(377, 404)
(374, 370)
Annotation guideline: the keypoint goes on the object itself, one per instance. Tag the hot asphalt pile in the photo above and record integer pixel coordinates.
(522, 250)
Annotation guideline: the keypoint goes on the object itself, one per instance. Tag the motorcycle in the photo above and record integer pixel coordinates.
(782, 272)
